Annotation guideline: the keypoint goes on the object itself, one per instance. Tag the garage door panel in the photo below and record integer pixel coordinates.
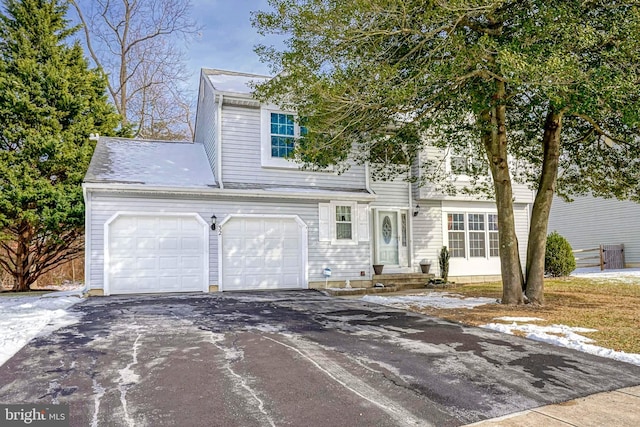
(168, 262)
(191, 243)
(156, 254)
(147, 243)
(191, 281)
(262, 253)
(191, 262)
(291, 244)
(168, 243)
(123, 243)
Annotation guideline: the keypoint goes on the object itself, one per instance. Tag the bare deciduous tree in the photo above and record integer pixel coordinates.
(137, 43)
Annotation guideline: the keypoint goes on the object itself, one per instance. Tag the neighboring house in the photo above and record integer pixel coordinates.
(588, 222)
(150, 207)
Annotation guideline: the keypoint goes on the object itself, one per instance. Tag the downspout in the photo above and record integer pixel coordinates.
(367, 179)
(410, 231)
(87, 239)
(367, 186)
(219, 142)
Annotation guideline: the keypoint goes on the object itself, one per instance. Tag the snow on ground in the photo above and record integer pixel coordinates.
(563, 336)
(559, 335)
(25, 317)
(432, 299)
(627, 275)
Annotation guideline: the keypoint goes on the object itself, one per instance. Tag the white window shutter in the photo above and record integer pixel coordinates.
(324, 222)
(363, 223)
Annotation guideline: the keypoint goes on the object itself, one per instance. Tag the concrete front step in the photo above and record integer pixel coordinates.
(403, 281)
(391, 282)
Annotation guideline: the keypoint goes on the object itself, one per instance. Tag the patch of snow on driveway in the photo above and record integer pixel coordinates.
(564, 336)
(432, 299)
(24, 318)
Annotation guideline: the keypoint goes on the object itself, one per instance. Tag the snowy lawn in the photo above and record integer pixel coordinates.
(603, 305)
(560, 335)
(431, 299)
(25, 317)
(627, 275)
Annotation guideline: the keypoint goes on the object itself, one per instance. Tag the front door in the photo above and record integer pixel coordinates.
(391, 238)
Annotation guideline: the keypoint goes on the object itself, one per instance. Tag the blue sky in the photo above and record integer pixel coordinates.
(227, 38)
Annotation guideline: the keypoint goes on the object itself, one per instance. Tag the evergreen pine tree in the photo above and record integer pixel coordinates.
(50, 101)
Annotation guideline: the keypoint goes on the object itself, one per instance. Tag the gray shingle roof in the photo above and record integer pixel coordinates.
(153, 163)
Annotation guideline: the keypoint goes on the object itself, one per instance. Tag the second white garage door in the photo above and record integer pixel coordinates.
(263, 253)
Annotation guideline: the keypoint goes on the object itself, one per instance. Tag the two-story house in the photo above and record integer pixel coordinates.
(231, 212)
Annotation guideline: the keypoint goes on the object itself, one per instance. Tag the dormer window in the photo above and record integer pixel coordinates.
(279, 134)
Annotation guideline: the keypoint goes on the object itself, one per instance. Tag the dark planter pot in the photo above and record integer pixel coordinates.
(425, 268)
(377, 269)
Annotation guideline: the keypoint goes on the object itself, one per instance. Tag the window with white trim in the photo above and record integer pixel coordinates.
(282, 133)
(455, 225)
(467, 164)
(494, 245)
(472, 235)
(458, 165)
(279, 134)
(343, 222)
(477, 235)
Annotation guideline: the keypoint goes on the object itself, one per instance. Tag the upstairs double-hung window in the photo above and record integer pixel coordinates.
(280, 131)
(282, 135)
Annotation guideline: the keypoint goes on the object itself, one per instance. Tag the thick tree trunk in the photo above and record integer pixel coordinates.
(495, 142)
(21, 274)
(542, 208)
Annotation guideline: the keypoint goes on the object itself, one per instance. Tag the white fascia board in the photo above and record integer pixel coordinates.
(246, 99)
(252, 193)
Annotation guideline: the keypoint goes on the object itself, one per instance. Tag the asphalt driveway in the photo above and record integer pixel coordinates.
(290, 358)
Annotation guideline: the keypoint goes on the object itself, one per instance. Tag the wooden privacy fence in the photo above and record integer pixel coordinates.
(607, 257)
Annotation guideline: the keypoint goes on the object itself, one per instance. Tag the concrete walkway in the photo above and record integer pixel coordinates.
(619, 408)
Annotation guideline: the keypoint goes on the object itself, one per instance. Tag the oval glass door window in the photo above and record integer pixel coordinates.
(386, 229)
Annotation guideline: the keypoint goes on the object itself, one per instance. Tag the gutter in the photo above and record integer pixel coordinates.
(410, 231)
(367, 179)
(218, 192)
(87, 242)
(219, 143)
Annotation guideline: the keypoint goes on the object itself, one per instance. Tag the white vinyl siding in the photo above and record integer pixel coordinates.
(589, 222)
(521, 192)
(207, 127)
(427, 234)
(345, 261)
(241, 157)
(392, 193)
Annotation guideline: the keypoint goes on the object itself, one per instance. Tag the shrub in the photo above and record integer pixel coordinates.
(558, 257)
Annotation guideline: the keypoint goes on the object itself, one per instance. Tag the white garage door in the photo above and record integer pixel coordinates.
(156, 254)
(262, 253)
